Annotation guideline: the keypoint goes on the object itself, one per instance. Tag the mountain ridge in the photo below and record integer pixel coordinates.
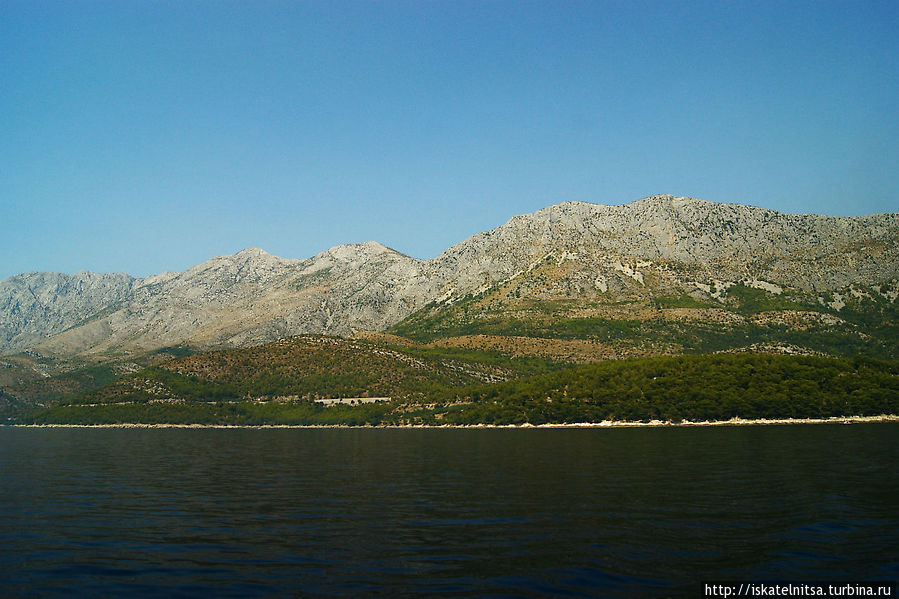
(657, 246)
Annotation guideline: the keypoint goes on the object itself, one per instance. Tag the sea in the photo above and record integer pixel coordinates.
(358, 512)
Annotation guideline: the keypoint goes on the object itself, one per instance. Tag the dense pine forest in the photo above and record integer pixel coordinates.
(281, 383)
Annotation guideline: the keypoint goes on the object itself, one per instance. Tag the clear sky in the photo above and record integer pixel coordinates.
(145, 136)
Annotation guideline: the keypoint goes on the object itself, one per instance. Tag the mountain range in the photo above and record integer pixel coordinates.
(566, 272)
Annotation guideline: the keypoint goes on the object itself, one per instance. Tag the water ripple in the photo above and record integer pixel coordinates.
(577, 513)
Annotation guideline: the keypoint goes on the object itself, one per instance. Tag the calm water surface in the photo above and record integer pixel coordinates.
(357, 512)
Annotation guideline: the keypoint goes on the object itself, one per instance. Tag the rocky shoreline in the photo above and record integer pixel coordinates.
(604, 424)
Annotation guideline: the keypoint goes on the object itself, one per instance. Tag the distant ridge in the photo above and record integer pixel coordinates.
(586, 255)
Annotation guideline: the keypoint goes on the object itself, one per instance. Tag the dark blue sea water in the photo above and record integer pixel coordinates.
(360, 512)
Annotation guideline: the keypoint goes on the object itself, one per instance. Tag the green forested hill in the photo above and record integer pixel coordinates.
(225, 388)
(306, 367)
(702, 387)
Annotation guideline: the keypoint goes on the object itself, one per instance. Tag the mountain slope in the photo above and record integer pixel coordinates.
(252, 297)
(668, 275)
(662, 259)
(681, 240)
(307, 367)
(281, 384)
(36, 305)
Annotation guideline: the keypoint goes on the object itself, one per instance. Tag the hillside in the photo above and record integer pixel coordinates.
(696, 388)
(595, 328)
(224, 388)
(573, 283)
(291, 376)
(305, 367)
(673, 275)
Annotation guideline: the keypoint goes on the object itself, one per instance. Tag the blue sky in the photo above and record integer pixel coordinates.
(149, 136)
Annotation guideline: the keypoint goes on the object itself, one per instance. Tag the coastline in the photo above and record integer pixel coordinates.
(603, 424)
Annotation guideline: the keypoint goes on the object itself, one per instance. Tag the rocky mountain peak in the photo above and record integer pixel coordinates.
(359, 253)
(251, 253)
(667, 200)
(251, 263)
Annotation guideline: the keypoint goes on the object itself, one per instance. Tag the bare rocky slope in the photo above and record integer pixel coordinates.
(249, 298)
(682, 241)
(37, 305)
(593, 257)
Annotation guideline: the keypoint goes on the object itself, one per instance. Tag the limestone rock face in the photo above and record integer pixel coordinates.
(37, 305)
(658, 245)
(252, 297)
(727, 242)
